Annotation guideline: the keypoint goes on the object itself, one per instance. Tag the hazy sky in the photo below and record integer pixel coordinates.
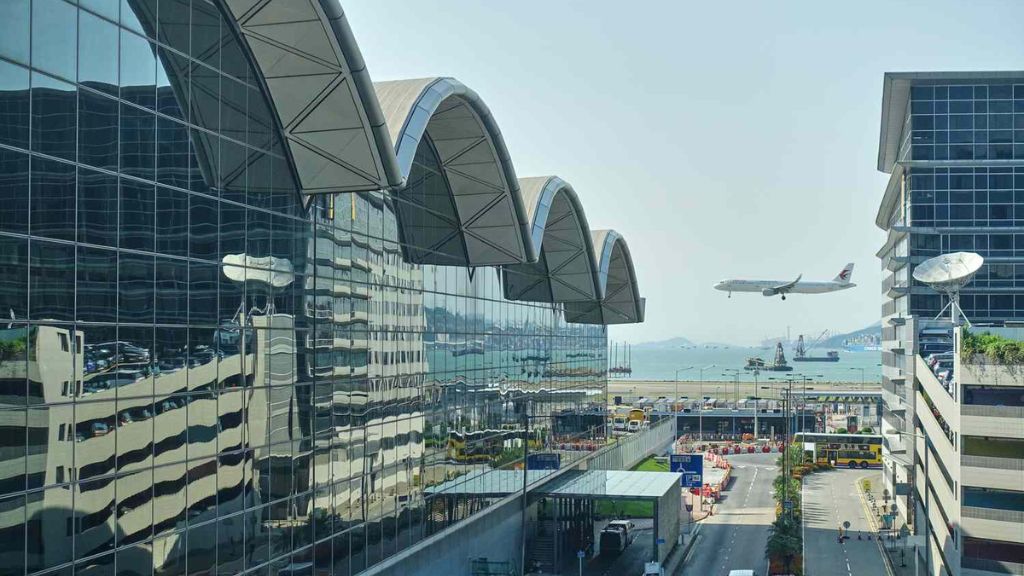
(722, 139)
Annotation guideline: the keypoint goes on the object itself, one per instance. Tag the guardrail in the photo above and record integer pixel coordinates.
(1015, 516)
(992, 462)
(996, 411)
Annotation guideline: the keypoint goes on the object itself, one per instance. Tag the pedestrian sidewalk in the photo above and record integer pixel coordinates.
(899, 557)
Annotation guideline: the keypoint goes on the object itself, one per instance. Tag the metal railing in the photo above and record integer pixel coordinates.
(996, 411)
(1015, 516)
(992, 462)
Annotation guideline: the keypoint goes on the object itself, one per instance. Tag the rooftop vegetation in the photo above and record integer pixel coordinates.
(992, 348)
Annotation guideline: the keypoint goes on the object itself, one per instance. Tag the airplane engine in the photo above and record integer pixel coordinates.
(769, 292)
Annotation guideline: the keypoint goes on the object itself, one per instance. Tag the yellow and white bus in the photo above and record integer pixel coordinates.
(849, 450)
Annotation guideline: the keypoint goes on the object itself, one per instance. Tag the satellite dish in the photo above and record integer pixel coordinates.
(947, 274)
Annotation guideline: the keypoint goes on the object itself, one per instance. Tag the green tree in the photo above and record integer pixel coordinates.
(784, 542)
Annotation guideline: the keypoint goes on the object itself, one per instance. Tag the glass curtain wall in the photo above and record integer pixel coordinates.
(200, 372)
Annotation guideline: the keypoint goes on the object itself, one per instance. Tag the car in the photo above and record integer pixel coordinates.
(742, 573)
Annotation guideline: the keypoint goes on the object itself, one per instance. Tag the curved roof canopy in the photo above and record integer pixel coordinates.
(484, 212)
(563, 266)
(321, 92)
(620, 301)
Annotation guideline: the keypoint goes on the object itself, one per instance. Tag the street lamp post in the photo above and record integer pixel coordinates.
(676, 398)
(927, 493)
(700, 415)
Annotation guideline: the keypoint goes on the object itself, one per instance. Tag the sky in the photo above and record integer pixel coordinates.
(722, 139)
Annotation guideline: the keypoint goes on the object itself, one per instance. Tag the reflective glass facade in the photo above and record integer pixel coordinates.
(202, 371)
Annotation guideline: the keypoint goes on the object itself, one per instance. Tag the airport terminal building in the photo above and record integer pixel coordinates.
(255, 305)
(953, 144)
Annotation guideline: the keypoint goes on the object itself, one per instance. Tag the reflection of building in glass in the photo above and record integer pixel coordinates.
(254, 306)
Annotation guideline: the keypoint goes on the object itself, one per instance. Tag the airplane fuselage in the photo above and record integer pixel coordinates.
(801, 287)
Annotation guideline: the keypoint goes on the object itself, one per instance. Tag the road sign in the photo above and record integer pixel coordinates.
(544, 461)
(581, 554)
(787, 505)
(846, 524)
(659, 541)
(691, 466)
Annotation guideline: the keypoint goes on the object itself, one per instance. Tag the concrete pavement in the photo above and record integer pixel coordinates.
(734, 537)
(829, 499)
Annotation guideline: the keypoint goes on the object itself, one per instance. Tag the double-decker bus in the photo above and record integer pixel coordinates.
(850, 450)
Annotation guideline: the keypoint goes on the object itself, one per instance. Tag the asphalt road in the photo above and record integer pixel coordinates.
(734, 537)
(829, 499)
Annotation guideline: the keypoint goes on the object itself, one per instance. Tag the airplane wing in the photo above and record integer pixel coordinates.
(783, 288)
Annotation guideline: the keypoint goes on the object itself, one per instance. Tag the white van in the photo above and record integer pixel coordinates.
(741, 573)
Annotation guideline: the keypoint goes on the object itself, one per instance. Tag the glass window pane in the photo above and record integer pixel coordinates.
(97, 285)
(54, 26)
(97, 43)
(53, 199)
(52, 281)
(14, 99)
(138, 70)
(205, 33)
(135, 284)
(97, 208)
(171, 291)
(54, 111)
(202, 228)
(173, 24)
(172, 223)
(14, 41)
(108, 8)
(13, 191)
(97, 130)
(137, 200)
(138, 142)
(172, 68)
(13, 277)
(172, 158)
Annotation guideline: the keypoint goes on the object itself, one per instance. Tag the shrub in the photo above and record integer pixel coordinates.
(997, 349)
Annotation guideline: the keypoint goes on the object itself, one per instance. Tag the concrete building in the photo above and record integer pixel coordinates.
(256, 306)
(969, 464)
(953, 144)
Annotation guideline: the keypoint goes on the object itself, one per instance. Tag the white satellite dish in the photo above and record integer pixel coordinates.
(947, 274)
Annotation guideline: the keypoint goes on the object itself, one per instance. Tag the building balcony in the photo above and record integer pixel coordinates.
(985, 567)
(997, 421)
(992, 523)
(992, 472)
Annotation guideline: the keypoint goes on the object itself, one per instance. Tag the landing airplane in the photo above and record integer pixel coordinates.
(781, 287)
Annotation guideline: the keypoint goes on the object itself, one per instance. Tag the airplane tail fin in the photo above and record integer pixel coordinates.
(845, 274)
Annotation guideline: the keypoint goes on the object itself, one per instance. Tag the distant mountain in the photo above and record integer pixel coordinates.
(837, 340)
(670, 343)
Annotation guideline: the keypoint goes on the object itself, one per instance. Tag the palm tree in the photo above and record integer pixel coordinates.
(783, 542)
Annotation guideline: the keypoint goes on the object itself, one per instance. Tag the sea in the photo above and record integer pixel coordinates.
(662, 363)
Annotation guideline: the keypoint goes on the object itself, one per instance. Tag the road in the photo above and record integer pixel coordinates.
(734, 537)
(829, 499)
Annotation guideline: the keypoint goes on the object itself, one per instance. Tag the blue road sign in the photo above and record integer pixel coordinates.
(544, 461)
(691, 466)
(581, 554)
(659, 541)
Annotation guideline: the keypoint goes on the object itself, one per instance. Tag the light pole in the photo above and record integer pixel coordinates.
(757, 431)
(927, 498)
(735, 374)
(676, 398)
(700, 415)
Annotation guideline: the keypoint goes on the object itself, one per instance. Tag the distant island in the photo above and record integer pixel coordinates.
(868, 333)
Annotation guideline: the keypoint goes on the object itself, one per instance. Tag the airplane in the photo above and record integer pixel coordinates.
(781, 287)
